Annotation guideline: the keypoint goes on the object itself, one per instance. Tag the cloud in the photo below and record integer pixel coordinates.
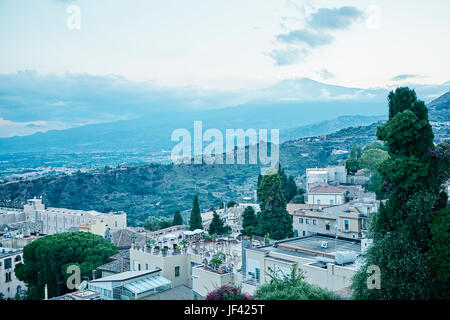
(402, 77)
(333, 19)
(288, 56)
(315, 33)
(325, 74)
(311, 38)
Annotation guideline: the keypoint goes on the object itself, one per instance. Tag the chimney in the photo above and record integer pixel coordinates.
(93, 274)
(45, 292)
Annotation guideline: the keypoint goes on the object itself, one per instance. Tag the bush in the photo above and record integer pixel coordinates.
(227, 292)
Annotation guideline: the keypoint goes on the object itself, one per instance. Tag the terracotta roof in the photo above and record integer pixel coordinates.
(123, 238)
(326, 189)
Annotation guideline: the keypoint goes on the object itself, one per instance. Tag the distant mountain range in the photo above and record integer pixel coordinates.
(299, 108)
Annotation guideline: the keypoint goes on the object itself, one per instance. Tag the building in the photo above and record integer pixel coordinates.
(120, 263)
(348, 220)
(232, 216)
(188, 266)
(9, 284)
(96, 227)
(327, 262)
(326, 195)
(81, 295)
(56, 220)
(131, 285)
(333, 175)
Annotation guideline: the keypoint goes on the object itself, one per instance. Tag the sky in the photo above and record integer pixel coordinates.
(230, 44)
(213, 51)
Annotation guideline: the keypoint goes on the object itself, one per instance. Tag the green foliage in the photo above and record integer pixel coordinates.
(291, 287)
(249, 221)
(217, 225)
(440, 249)
(371, 158)
(231, 204)
(412, 176)
(288, 186)
(153, 223)
(195, 222)
(356, 152)
(177, 219)
(45, 259)
(273, 218)
(352, 165)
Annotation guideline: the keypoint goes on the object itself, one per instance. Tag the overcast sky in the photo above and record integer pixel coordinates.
(231, 44)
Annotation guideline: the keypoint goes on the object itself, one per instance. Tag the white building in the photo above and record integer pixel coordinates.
(9, 284)
(330, 175)
(57, 220)
(326, 195)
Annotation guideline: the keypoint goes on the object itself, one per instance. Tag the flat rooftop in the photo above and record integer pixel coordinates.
(310, 246)
(314, 243)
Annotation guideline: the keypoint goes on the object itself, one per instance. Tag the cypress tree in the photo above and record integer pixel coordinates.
(195, 221)
(273, 218)
(177, 219)
(249, 221)
(412, 177)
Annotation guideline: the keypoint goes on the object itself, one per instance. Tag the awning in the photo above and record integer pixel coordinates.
(147, 284)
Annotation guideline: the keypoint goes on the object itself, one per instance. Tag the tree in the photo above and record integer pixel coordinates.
(217, 225)
(154, 223)
(352, 165)
(440, 247)
(371, 158)
(412, 176)
(249, 221)
(356, 152)
(291, 287)
(231, 204)
(177, 219)
(195, 221)
(273, 218)
(46, 259)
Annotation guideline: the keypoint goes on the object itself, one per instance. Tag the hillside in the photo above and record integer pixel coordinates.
(147, 190)
(439, 109)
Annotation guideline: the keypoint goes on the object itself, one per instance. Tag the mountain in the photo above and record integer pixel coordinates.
(329, 126)
(439, 109)
(160, 190)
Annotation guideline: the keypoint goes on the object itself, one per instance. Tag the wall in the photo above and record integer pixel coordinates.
(206, 281)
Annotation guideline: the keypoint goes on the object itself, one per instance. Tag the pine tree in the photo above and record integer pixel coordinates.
(177, 219)
(217, 225)
(273, 218)
(195, 221)
(412, 176)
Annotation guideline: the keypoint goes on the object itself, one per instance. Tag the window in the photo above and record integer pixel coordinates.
(300, 220)
(19, 289)
(177, 272)
(146, 266)
(17, 258)
(346, 224)
(8, 263)
(307, 221)
(304, 233)
(314, 222)
(8, 277)
(327, 226)
(331, 202)
(318, 201)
